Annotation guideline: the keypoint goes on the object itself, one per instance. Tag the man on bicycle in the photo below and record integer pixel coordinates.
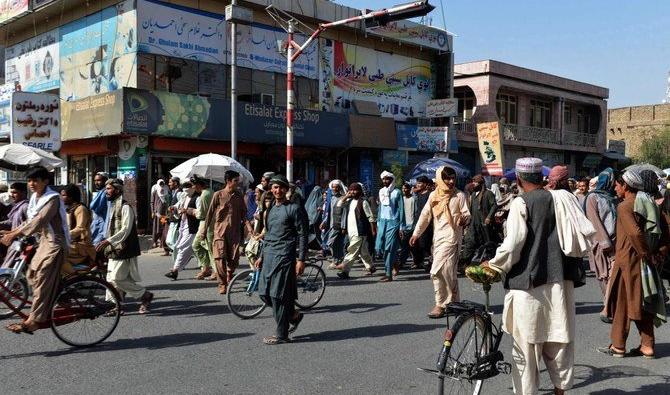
(46, 216)
(286, 232)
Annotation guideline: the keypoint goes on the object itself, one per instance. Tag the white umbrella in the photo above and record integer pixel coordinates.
(20, 157)
(212, 167)
(646, 166)
(667, 171)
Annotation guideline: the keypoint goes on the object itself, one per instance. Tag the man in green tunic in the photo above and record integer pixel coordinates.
(285, 241)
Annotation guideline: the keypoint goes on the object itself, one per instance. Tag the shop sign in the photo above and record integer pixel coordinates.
(394, 157)
(425, 138)
(400, 85)
(414, 33)
(94, 116)
(6, 91)
(181, 32)
(490, 148)
(189, 116)
(257, 49)
(34, 65)
(366, 173)
(12, 9)
(36, 120)
(442, 108)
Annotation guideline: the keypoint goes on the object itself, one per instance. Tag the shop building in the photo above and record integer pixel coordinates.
(142, 92)
(559, 120)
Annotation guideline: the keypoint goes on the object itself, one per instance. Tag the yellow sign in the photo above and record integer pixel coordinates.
(490, 148)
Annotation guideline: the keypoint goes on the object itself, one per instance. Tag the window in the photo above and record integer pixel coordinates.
(466, 104)
(567, 114)
(540, 114)
(146, 71)
(583, 122)
(262, 86)
(176, 75)
(506, 106)
(306, 93)
(280, 90)
(244, 84)
(212, 80)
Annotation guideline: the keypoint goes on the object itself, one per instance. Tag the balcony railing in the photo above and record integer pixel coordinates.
(580, 139)
(530, 134)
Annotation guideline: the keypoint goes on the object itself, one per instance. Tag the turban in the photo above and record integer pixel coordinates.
(386, 174)
(633, 179)
(529, 165)
(650, 181)
(343, 189)
(558, 176)
(268, 174)
(102, 174)
(116, 183)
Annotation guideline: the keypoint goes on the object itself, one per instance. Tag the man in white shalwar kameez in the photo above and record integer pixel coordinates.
(539, 309)
(188, 227)
(447, 211)
(122, 247)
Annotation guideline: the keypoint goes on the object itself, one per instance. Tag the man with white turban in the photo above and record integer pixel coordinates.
(390, 219)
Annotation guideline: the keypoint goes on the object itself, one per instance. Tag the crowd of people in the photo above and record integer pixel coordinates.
(535, 231)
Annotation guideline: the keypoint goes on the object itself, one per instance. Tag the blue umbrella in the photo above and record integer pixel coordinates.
(511, 175)
(429, 166)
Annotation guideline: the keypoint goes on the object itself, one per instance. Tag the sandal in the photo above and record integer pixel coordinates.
(610, 351)
(385, 279)
(112, 312)
(272, 340)
(19, 327)
(636, 352)
(146, 302)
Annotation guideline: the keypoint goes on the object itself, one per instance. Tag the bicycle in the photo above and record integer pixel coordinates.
(85, 311)
(469, 353)
(244, 301)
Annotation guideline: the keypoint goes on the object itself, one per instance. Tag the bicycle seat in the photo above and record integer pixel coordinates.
(465, 306)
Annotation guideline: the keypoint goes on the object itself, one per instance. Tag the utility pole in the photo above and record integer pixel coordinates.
(233, 87)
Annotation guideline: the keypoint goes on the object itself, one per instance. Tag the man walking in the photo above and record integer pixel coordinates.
(122, 247)
(331, 223)
(447, 211)
(539, 309)
(99, 208)
(422, 247)
(482, 208)
(409, 207)
(286, 232)
(226, 216)
(170, 229)
(188, 227)
(358, 223)
(390, 219)
(202, 243)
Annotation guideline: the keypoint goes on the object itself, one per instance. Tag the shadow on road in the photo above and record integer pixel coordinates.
(147, 343)
(188, 307)
(365, 331)
(181, 285)
(586, 375)
(588, 308)
(354, 308)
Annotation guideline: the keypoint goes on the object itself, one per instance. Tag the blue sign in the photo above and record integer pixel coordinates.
(366, 173)
(188, 116)
(182, 32)
(408, 139)
(394, 157)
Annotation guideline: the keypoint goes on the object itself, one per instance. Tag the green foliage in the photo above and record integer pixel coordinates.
(656, 150)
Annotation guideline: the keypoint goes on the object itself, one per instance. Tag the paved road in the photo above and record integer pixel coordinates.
(364, 337)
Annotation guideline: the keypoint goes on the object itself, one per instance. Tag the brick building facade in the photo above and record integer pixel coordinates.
(633, 125)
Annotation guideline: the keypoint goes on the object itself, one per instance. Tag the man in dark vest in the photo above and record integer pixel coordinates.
(480, 230)
(122, 246)
(539, 308)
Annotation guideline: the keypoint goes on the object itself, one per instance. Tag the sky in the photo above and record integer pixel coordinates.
(623, 45)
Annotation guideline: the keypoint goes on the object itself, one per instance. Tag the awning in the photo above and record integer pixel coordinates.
(98, 146)
(372, 132)
(616, 156)
(166, 144)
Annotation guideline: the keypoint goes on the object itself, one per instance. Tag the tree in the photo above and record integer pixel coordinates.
(656, 150)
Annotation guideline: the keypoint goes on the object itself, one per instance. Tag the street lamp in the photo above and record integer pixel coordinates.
(294, 50)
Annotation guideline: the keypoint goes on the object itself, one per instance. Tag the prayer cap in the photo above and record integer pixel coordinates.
(280, 180)
(268, 174)
(529, 165)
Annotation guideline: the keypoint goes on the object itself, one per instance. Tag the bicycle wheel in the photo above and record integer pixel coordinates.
(469, 341)
(17, 298)
(242, 295)
(85, 312)
(311, 286)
